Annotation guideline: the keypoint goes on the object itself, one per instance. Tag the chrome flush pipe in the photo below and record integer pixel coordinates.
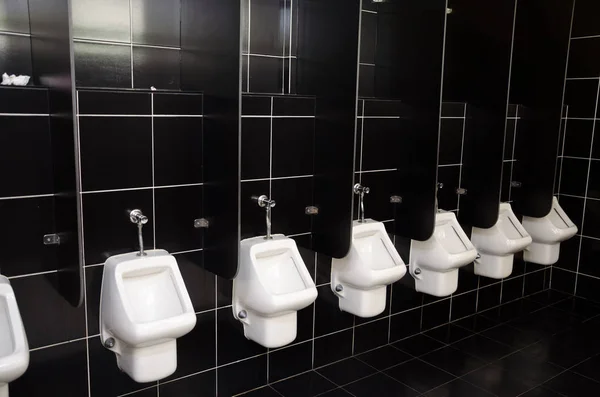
(266, 203)
(361, 190)
(140, 220)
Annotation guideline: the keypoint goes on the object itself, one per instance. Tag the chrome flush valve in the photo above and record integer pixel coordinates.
(265, 202)
(140, 220)
(361, 190)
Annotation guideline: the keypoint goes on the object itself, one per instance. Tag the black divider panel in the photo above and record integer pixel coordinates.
(408, 68)
(539, 62)
(327, 69)
(52, 59)
(210, 62)
(477, 67)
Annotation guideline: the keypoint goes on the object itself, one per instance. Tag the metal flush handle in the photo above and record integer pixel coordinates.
(138, 218)
(265, 202)
(361, 190)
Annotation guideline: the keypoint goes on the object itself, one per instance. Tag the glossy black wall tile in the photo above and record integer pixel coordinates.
(578, 165)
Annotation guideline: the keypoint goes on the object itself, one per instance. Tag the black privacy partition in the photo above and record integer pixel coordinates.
(52, 60)
(539, 62)
(327, 69)
(477, 70)
(210, 62)
(408, 71)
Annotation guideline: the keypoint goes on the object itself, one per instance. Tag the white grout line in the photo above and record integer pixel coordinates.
(269, 56)
(137, 115)
(249, 29)
(379, 117)
(127, 189)
(291, 41)
(131, 40)
(586, 37)
(276, 117)
(372, 171)
(587, 186)
(32, 274)
(124, 44)
(153, 175)
(7, 33)
(271, 150)
(25, 114)
(277, 178)
(27, 197)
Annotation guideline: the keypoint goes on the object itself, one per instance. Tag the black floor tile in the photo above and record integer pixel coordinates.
(548, 321)
(266, 391)
(565, 350)
(476, 323)
(512, 336)
(457, 388)
(384, 357)
(512, 310)
(578, 306)
(379, 385)
(483, 348)
(498, 381)
(346, 371)
(418, 345)
(589, 368)
(541, 391)
(574, 385)
(335, 393)
(454, 361)
(524, 367)
(548, 297)
(419, 375)
(305, 385)
(449, 333)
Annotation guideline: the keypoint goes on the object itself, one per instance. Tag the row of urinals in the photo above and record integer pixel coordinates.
(145, 306)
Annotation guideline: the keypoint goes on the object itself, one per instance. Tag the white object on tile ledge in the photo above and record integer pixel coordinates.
(20, 80)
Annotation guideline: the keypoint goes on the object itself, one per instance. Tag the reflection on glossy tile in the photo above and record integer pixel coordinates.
(102, 65)
(419, 375)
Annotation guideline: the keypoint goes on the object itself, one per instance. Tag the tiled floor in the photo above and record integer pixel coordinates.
(545, 345)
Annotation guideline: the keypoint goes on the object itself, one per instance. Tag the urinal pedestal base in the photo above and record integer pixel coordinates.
(436, 283)
(150, 363)
(494, 266)
(3, 389)
(542, 254)
(270, 332)
(362, 303)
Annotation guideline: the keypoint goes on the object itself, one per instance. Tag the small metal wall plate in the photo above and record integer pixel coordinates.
(311, 210)
(461, 191)
(395, 199)
(201, 223)
(515, 184)
(52, 239)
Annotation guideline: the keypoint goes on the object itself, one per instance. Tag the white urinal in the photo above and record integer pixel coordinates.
(144, 308)
(434, 263)
(272, 284)
(497, 245)
(360, 278)
(547, 234)
(14, 350)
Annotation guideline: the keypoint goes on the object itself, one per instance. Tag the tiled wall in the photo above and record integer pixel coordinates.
(579, 158)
